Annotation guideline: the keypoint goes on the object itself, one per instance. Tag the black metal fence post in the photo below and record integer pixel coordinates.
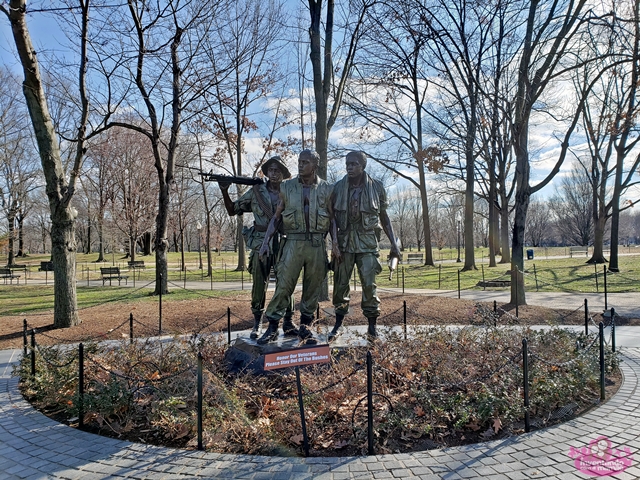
(613, 329)
(439, 275)
(586, 317)
(404, 317)
(604, 269)
(601, 331)
(242, 279)
(370, 404)
(33, 352)
(458, 283)
(131, 327)
(160, 307)
(484, 285)
(200, 447)
(595, 266)
(525, 374)
(25, 342)
(402, 279)
(229, 325)
(80, 385)
(517, 288)
(305, 438)
(535, 274)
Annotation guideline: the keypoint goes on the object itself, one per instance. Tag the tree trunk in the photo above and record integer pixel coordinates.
(504, 232)
(161, 244)
(11, 247)
(615, 211)
(59, 192)
(320, 87)
(88, 249)
(469, 254)
(100, 238)
(522, 204)
(20, 219)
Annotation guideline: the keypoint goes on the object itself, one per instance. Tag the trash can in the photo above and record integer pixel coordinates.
(530, 254)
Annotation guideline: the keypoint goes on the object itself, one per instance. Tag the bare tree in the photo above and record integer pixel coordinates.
(550, 31)
(625, 130)
(463, 42)
(244, 55)
(572, 207)
(18, 171)
(60, 188)
(132, 203)
(390, 94)
(538, 223)
(325, 85)
(157, 61)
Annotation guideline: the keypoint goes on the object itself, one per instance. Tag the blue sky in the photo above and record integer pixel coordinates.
(46, 35)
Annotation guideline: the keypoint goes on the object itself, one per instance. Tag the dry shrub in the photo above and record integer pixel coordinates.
(440, 386)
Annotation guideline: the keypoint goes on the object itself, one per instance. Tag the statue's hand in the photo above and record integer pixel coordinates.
(224, 185)
(264, 250)
(395, 250)
(336, 255)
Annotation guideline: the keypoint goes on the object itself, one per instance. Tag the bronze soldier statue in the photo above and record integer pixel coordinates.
(360, 209)
(262, 200)
(304, 211)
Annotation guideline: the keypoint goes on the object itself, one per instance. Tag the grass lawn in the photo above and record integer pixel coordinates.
(541, 274)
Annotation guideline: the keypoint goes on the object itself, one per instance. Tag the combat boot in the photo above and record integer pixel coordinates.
(290, 330)
(372, 334)
(255, 331)
(304, 333)
(337, 328)
(271, 333)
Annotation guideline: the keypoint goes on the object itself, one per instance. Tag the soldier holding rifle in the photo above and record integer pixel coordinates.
(261, 200)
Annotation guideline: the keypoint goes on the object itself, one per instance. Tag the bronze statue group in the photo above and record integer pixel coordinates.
(292, 219)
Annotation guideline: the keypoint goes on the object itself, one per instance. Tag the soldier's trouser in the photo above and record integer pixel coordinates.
(368, 267)
(296, 256)
(260, 271)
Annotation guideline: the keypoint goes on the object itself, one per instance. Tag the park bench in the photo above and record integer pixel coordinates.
(415, 258)
(24, 268)
(7, 274)
(136, 265)
(580, 249)
(46, 266)
(110, 273)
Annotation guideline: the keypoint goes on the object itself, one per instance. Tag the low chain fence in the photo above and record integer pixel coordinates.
(424, 370)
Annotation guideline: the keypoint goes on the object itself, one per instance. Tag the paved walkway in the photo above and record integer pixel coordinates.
(33, 446)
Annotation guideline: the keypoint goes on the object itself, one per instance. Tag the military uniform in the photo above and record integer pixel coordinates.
(254, 236)
(357, 212)
(303, 248)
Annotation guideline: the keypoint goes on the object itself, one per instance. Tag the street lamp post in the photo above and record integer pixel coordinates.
(199, 227)
(458, 228)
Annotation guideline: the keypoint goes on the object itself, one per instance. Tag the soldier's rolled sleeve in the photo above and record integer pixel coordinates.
(243, 204)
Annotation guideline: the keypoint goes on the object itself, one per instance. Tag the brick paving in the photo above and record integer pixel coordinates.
(33, 446)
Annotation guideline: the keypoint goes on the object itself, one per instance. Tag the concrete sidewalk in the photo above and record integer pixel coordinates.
(34, 446)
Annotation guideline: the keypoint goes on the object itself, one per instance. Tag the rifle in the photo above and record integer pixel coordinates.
(214, 177)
